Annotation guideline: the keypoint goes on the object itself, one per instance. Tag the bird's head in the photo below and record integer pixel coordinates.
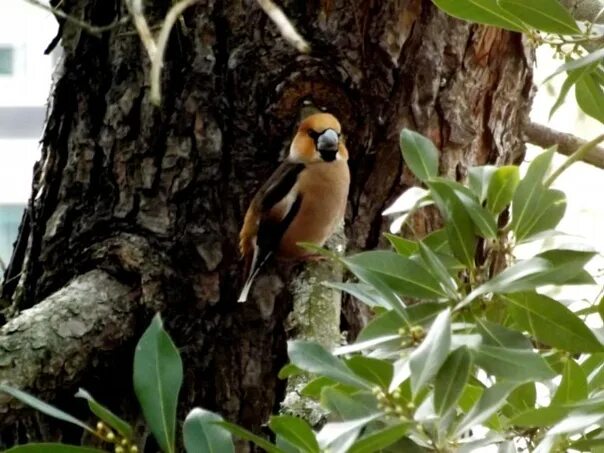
(318, 140)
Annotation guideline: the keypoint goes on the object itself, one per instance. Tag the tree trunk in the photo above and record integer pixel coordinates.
(150, 199)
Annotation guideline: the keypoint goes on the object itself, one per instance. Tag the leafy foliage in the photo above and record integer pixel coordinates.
(548, 22)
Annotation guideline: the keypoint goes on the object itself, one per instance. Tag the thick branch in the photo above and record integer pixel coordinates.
(48, 346)
(315, 317)
(545, 137)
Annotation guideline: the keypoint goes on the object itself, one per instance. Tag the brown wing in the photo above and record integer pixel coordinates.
(275, 189)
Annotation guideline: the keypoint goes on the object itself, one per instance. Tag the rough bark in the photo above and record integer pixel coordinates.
(154, 197)
(74, 327)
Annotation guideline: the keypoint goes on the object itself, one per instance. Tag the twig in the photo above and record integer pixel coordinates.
(140, 22)
(545, 137)
(576, 156)
(92, 29)
(162, 41)
(286, 28)
(156, 48)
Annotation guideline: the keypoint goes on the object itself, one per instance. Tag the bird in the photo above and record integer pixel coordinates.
(303, 200)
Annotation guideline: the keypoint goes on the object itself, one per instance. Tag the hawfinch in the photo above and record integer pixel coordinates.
(302, 201)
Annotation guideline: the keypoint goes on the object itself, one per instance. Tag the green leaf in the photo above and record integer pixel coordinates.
(244, 434)
(426, 360)
(582, 278)
(387, 323)
(479, 180)
(542, 416)
(286, 445)
(529, 192)
(346, 406)
(588, 444)
(379, 440)
(51, 448)
(497, 335)
(387, 297)
(483, 220)
(104, 414)
(516, 365)
(592, 363)
(296, 431)
(573, 386)
(401, 274)
(451, 380)
(343, 433)
(514, 278)
(554, 267)
(289, 370)
(492, 399)
(202, 435)
(470, 396)
(423, 313)
(379, 372)
(438, 241)
(576, 421)
(157, 380)
(486, 12)
(459, 225)
(564, 265)
(438, 270)
(363, 292)
(546, 215)
(43, 407)
(419, 154)
(590, 96)
(522, 398)
(314, 387)
(570, 81)
(585, 61)
(502, 187)
(314, 358)
(552, 323)
(402, 246)
(545, 15)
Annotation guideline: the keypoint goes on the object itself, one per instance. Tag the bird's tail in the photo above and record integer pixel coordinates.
(254, 268)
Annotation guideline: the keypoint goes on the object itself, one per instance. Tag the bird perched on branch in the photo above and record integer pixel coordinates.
(302, 201)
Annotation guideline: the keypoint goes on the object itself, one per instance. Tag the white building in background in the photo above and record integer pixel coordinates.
(25, 80)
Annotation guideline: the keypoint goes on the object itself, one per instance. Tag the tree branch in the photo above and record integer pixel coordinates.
(286, 28)
(545, 137)
(48, 346)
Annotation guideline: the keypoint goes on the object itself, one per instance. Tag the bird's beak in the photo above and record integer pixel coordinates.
(327, 144)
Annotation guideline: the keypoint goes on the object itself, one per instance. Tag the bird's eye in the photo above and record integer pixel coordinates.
(313, 134)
